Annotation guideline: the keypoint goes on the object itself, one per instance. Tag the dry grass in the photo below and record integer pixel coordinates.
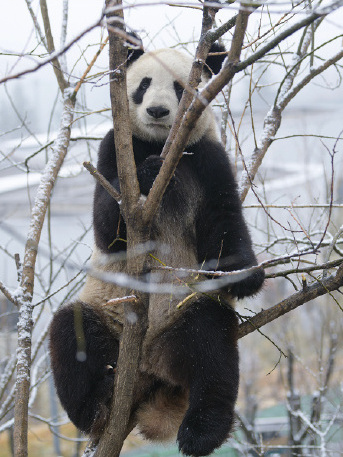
(41, 442)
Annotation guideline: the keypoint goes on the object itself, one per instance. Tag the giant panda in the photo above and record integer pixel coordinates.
(189, 371)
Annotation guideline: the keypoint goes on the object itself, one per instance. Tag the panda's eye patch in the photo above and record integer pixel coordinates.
(178, 90)
(140, 91)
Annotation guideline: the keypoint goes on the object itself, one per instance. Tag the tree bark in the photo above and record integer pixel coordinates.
(135, 324)
(27, 281)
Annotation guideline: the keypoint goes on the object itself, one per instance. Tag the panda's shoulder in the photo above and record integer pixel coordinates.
(108, 140)
(106, 154)
(208, 148)
(210, 161)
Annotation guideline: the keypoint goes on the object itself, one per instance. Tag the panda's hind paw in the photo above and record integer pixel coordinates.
(103, 394)
(197, 437)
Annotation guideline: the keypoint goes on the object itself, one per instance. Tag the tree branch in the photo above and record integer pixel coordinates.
(330, 284)
(135, 313)
(185, 121)
(51, 47)
(103, 181)
(314, 72)
(272, 121)
(88, 69)
(126, 165)
(25, 323)
(53, 56)
(282, 36)
(7, 294)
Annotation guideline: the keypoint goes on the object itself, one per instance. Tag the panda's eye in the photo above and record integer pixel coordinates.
(145, 83)
(178, 90)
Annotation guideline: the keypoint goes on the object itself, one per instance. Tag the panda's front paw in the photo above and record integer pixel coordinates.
(248, 286)
(147, 172)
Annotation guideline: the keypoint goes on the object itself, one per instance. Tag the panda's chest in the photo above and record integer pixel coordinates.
(174, 228)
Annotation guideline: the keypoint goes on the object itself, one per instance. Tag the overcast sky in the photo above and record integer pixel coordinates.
(17, 34)
(158, 26)
(165, 25)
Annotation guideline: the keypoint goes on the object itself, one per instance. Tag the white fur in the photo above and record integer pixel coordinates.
(163, 66)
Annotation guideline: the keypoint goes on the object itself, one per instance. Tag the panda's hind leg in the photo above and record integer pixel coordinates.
(202, 357)
(83, 357)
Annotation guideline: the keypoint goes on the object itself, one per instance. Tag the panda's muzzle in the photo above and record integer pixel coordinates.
(157, 112)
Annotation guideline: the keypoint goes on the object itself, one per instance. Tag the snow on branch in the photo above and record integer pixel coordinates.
(25, 292)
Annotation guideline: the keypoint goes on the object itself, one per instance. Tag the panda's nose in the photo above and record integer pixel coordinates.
(157, 112)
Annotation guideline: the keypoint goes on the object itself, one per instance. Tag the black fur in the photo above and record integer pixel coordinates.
(214, 63)
(84, 386)
(178, 90)
(201, 350)
(222, 238)
(134, 52)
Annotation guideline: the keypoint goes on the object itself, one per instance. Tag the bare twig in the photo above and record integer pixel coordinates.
(272, 121)
(115, 301)
(65, 12)
(88, 69)
(7, 294)
(51, 47)
(53, 56)
(36, 23)
(103, 181)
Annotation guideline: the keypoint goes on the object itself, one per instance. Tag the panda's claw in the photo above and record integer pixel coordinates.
(110, 370)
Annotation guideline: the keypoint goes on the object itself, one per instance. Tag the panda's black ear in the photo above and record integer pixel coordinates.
(214, 63)
(135, 48)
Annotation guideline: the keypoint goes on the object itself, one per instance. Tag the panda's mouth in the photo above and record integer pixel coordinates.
(160, 125)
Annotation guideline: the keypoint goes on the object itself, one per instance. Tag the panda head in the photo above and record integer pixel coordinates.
(155, 83)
